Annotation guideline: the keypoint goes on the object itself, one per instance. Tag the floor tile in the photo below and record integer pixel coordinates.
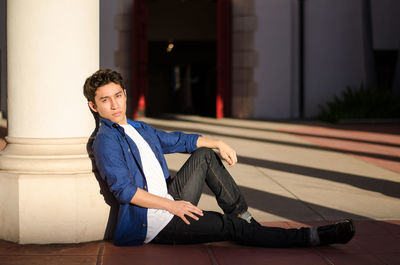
(364, 259)
(8, 248)
(353, 247)
(258, 256)
(296, 224)
(369, 227)
(391, 227)
(48, 260)
(154, 254)
(389, 259)
(378, 244)
(275, 224)
(355, 142)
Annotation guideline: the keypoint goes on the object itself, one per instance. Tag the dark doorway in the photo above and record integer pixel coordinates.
(183, 80)
(182, 57)
(385, 65)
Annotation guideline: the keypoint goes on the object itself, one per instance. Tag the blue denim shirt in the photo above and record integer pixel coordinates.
(118, 162)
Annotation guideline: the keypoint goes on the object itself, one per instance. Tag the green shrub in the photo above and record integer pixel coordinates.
(361, 103)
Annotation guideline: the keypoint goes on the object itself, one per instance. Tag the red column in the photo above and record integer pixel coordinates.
(0, 81)
(224, 57)
(140, 60)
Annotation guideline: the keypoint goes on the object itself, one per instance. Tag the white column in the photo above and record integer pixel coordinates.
(48, 193)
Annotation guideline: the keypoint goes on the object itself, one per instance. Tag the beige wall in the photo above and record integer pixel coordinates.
(336, 55)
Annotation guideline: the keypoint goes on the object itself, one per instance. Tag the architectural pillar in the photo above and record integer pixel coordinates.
(48, 193)
(3, 59)
(245, 58)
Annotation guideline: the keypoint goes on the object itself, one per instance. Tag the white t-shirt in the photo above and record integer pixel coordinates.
(156, 219)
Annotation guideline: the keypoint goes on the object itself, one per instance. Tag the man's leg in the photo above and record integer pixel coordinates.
(213, 227)
(204, 165)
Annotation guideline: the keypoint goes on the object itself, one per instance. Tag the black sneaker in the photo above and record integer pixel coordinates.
(339, 233)
(253, 221)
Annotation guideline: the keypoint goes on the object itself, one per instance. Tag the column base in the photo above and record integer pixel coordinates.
(56, 206)
(44, 209)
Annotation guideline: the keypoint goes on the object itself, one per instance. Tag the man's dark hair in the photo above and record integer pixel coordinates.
(100, 78)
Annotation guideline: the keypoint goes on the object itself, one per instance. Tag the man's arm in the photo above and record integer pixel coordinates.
(179, 208)
(226, 152)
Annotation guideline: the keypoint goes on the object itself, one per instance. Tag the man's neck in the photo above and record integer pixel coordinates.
(124, 122)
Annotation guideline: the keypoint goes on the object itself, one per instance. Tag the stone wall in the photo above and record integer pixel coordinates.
(244, 57)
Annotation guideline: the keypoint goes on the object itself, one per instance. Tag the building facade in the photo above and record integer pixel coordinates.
(287, 56)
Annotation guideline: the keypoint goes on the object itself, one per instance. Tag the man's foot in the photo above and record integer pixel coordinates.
(253, 221)
(339, 233)
(248, 218)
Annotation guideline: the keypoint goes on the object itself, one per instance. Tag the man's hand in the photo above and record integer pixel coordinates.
(227, 153)
(179, 208)
(182, 208)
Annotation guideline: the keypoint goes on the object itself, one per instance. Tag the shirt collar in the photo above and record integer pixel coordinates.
(116, 125)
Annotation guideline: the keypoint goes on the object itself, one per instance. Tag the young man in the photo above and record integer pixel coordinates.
(157, 208)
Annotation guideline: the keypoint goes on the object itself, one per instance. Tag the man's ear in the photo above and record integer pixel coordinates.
(92, 106)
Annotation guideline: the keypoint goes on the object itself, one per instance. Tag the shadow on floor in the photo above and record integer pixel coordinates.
(278, 142)
(386, 187)
(285, 207)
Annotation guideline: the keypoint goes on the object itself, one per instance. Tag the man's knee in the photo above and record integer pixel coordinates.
(208, 154)
(204, 151)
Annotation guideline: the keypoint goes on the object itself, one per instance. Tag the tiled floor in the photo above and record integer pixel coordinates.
(376, 242)
(382, 149)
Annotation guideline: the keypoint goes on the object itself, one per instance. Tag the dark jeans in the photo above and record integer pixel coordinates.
(205, 166)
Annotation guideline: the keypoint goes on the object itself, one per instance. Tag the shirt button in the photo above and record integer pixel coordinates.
(144, 225)
(145, 187)
(129, 150)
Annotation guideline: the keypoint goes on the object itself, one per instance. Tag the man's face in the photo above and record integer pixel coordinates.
(110, 103)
